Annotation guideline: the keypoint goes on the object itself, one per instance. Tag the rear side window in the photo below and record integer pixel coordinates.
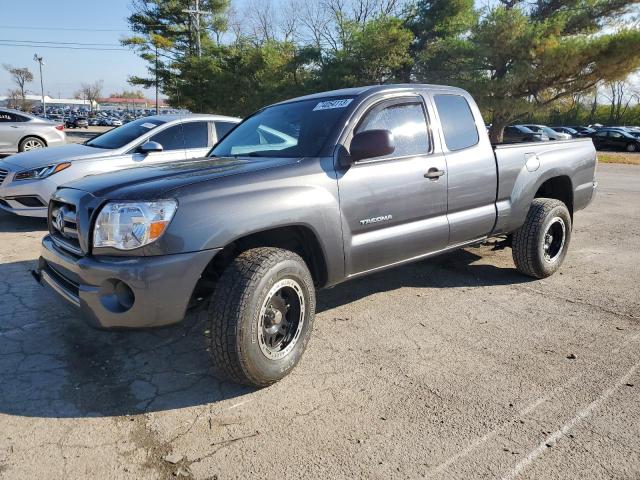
(407, 123)
(222, 128)
(196, 134)
(458, 124)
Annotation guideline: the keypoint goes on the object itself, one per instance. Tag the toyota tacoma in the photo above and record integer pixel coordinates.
(302, 195)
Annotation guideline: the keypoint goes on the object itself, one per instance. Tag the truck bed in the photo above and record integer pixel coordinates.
(518, 166)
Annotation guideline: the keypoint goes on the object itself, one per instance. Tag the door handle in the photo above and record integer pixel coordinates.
(14, 126)
(433, 173)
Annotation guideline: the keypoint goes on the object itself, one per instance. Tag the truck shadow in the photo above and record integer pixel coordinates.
(53, 365)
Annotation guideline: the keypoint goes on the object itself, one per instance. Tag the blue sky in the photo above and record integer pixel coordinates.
(64, 70)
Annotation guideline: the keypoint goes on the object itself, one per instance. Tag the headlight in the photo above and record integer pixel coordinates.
(129, 225)
(41, 172)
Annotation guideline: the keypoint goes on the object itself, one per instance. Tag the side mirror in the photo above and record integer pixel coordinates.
(149, 147)
(372, 143)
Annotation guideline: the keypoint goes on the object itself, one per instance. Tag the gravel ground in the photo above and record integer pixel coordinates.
(457, 367)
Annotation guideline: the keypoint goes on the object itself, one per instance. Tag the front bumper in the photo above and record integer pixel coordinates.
(28, 198)
(123, 292)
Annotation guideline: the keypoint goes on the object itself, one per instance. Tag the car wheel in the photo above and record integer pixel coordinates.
(31, 143)
(260, 316)
(540, 245)
(631, 147)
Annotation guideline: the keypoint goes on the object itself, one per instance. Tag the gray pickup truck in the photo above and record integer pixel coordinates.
(302, 195)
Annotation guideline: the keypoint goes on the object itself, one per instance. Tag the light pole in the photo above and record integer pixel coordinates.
(40, 62)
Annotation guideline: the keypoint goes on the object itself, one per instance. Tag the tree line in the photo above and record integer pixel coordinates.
(517, 57)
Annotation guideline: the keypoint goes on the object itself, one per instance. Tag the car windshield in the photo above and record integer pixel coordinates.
(549, 131)
(292, 130)
(119, 137)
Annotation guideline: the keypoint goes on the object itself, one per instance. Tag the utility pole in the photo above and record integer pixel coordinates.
(40, 62)
(196, 12)
(157, 102)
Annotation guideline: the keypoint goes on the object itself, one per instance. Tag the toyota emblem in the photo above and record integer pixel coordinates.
(58, 222)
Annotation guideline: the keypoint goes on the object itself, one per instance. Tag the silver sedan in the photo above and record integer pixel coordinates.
(27, 180)
(21, 132)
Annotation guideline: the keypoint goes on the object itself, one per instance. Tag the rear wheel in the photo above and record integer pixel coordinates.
(31, 143)
(260, 316)
(540, 245)
(631, 147)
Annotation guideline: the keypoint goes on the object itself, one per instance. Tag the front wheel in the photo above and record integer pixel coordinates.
(631, 147)
(540, 245)
(260, 316)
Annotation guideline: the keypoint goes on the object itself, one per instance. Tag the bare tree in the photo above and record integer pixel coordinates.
(20, 76)
(90, 91)
(620, 99)
(14, 98)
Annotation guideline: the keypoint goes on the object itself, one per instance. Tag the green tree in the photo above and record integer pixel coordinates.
(373, 52)
(166, 34)
(516, 58)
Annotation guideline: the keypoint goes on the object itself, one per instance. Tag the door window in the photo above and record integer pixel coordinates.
(11, 117)
(170, 139)
(196, 134)
(615, 135)
(406, 121)
(458, 123)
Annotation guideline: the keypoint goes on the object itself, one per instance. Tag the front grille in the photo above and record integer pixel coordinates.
(63, 225)
(3, 175)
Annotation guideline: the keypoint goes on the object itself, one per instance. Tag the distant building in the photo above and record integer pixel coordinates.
(111, 103)
(36, 101)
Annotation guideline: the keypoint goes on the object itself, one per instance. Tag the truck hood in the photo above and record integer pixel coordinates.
(153, 181)
(64, 153)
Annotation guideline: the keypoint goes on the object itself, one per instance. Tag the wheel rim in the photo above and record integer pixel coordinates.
(281, 319)
(631, 147)
(553, 239)
(32, 145)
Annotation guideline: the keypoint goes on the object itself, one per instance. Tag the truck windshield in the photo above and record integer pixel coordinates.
(119, 137)
(297, 129)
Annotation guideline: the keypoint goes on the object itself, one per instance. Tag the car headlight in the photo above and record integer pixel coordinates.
(41, 172)
(129, 225)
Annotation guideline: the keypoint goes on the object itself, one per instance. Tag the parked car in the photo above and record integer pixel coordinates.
(21, 132)
(247, 236)
(583, 131)
(567, 130)
(518, 133)
(114, 122)
(30, 178)
(615, 139)
(76, 122)
(549, 132)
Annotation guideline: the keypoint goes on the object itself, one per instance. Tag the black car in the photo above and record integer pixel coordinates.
(615, 139)
(583, 131)
(76, 122)
(518, 133)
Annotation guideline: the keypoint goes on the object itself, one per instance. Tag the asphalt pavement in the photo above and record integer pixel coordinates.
(456, 367)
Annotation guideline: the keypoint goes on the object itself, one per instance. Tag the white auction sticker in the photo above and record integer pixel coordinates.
(149, 125)
(333, 104)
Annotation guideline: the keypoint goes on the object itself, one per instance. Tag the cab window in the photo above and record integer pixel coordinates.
(406, 121)
(458, 123)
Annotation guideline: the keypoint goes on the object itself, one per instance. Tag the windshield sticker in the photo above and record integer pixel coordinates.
(149, 125)
(333, 104)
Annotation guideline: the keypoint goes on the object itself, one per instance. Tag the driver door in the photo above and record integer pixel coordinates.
(173, 147)
(391, 210)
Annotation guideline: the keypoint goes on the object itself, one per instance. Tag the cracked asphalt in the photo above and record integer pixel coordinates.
(456, 367)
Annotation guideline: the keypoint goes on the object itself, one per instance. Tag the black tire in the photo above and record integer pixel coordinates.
(534, 253)
(239, 313)
(31, 143)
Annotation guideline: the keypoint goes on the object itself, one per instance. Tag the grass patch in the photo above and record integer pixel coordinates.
(615, 157)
